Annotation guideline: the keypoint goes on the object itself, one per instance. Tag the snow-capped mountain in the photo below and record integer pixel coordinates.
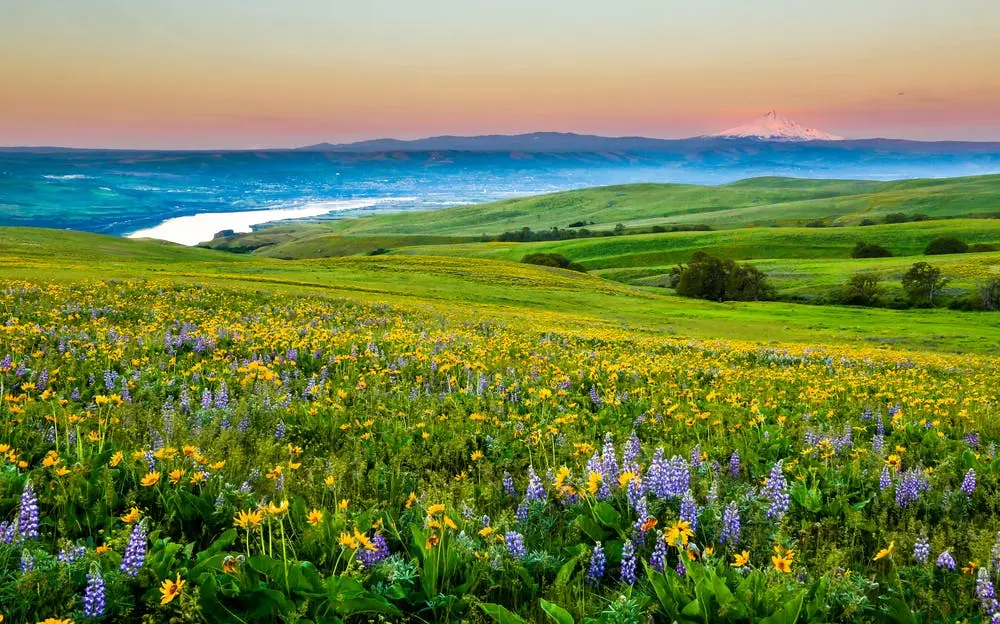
(775, 127)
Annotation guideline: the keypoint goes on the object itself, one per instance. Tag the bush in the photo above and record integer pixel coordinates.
(818, 223)
(867, 250)
(982, 247)
(990, 294)
(553, 260)
(945, 245)
(865, 222)
(378, 252)
(708, 277)
(895, 217)
(577, 224)
(861, 289)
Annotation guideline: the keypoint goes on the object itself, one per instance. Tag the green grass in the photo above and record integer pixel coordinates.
(491, 288)
(759, 201)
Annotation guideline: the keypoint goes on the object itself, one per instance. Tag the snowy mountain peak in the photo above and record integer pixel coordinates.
(776, 127)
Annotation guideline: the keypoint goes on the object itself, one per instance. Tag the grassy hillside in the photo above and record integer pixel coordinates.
(488, 288)
(904, 239)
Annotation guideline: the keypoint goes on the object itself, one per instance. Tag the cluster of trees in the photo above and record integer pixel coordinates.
(553, 260)
(576, 230)
(922, 284)
(716, 279)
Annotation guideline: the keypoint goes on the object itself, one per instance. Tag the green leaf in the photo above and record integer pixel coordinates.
(556, 613)
(692, 609)
(500, 614)
(607, 515)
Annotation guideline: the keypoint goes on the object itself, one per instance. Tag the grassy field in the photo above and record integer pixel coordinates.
(496, 288)
(754, 202)
(191, 435)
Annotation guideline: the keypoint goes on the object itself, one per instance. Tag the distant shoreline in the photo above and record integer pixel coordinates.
(197, 228)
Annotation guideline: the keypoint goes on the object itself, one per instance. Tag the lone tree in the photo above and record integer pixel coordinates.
(922, 282)
(945, 245)
(862, 289)
(708, 277)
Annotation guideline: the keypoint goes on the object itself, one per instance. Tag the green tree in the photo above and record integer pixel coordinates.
(869, 250)
(991, 294)
(922, 282)
(862, 289)
(748, 283)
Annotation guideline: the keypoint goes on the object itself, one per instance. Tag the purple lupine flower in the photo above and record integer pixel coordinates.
(635, 489)
(631, 452)
(628, 562)
(27, 521)
(515, 544)
(986, 592)
(945, 561)
(508, 485)
(696, 456)
(911, 484)
(609, 462)
(674, 479)
(222, 396)
(969, 482)
(597, 564)
(658, 560)
(972, 439)
(94, 597)
(689, 511)
(734, 464)
(206, 399)
(884, 479)
(8, 531)
(595, 398)
(921, 550)
(776, 492)
(369, 558)
(641, 515)
(535, 491)
(69, 555)
(522, 512)
(135, 551)
(27, 562)
(680, 569)
(279, 432)
(731, 525)
(878, 443)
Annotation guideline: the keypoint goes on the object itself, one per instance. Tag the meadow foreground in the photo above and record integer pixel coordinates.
(187, 452)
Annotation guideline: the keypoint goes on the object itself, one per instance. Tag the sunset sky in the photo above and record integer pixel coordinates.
(251, 73)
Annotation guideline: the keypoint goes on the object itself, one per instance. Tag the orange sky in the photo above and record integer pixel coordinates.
(180, 74)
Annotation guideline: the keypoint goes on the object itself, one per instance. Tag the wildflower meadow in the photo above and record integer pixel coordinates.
(175, 452)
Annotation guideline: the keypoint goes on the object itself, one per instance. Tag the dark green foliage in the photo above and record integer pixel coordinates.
(945, 245)
(378, 252)
(990, 294)
(861, 289)
(869, 250)
(819, 223)
(895, 217)
(553, 260)
(708, 277)
(982, 248)
(865, 222)
(922, 282)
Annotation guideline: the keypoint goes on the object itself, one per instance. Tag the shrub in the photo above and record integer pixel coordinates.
(945, 245)
(990, 294)
(657, 229)
(895, 217)
(818, 223)
(867, 250)
(708, 277)
(865, 222)
(577, 224)
(553, 260)
(861, 289)
(982, 247)
(378, 252)
(922, 282)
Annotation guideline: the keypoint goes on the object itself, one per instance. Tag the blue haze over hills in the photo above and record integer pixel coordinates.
(121, 191)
